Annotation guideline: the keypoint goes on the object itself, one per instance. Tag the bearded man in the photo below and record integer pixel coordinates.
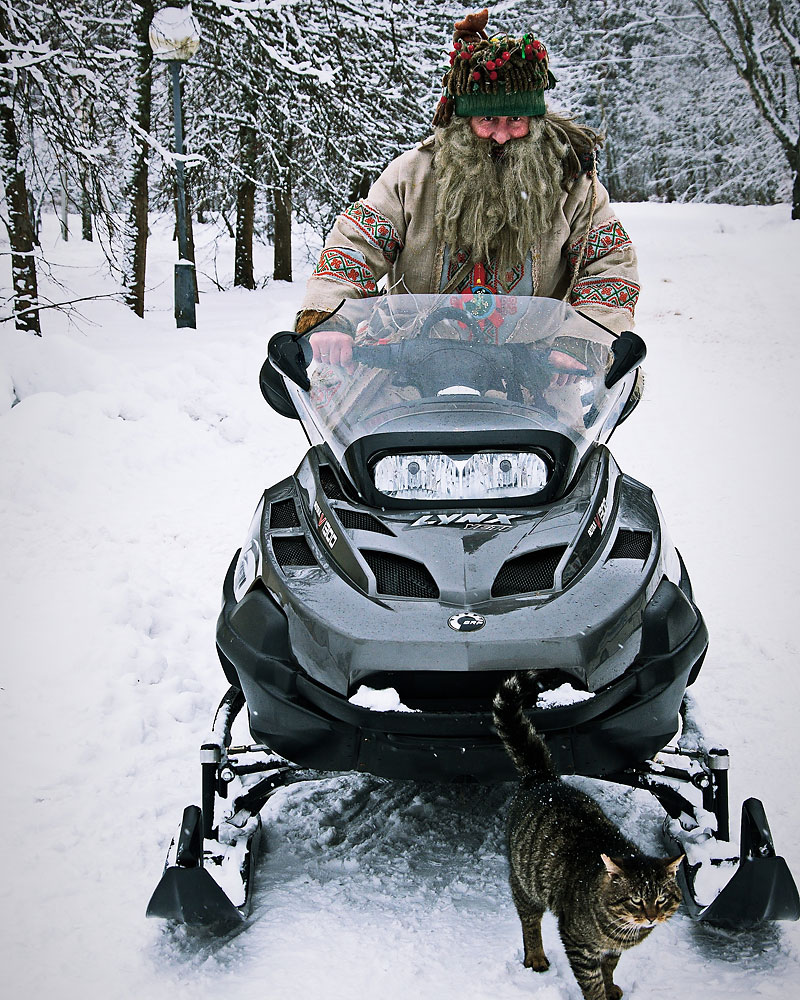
(504, 195)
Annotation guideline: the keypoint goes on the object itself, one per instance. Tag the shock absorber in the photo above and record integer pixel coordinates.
(719, 762)
(210, 756)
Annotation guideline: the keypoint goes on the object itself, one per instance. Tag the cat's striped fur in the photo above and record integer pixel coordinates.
(566, 856)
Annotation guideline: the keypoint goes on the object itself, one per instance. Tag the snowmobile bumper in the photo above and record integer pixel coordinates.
(627, 721)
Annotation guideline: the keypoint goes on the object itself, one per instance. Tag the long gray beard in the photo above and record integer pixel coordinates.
(496, 207)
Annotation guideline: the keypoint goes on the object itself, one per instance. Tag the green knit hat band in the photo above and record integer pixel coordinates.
(522, 102)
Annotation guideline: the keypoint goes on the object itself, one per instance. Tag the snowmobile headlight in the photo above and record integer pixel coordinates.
(480, 475)
(248, 565)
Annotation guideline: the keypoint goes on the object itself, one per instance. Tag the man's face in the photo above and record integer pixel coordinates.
(499, 128)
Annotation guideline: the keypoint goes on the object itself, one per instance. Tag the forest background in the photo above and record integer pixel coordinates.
(292, 108)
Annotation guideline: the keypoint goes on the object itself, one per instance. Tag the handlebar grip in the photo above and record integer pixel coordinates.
(378, 355)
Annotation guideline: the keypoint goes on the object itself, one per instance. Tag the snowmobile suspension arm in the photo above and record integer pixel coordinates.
(708, 772)
(220, 764)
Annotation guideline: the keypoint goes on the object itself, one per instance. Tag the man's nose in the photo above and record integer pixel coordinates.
(501, 134)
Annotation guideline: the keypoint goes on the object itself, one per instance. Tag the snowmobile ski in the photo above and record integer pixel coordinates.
(720, 885)
(761, 887)
(188, 893)
(208, 875)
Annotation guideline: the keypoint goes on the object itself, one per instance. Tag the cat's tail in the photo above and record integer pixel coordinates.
(524, 745)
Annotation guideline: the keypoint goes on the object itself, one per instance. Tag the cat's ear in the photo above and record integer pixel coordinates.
(671, 865)
(612, 867)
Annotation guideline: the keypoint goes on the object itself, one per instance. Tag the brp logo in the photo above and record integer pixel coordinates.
(466, 623)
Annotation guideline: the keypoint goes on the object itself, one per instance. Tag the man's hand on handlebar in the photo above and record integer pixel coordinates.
(558, 359)
(333, 347)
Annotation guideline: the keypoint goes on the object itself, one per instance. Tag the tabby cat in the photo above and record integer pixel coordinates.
(566, 856)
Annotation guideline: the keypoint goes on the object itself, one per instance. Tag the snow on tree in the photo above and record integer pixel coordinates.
(136, 188)
(46, 86)
(293, 108)
(17, 52)
(761, 38)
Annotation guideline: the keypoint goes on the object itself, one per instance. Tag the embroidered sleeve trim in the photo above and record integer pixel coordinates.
(601, 240)
(338, 264)
(613, 293)
(376, 229)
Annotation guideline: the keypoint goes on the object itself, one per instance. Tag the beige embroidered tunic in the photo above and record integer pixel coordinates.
(391, 234)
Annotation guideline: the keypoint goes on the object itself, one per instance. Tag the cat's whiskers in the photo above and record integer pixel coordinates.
(628, 929)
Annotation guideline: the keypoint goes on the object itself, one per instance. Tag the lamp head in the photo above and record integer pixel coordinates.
(174, 34)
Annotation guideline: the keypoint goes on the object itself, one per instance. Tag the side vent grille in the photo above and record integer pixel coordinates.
(283, 514)
(293, 551)
(631, 545)
(361, 521)
(529, 573)
(397, 576)
(330, 484)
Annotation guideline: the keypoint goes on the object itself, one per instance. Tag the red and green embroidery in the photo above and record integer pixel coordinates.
(601, 241)
(454, 264)
(614, 293)
(375, 228)
(339, 265)
(511, 278)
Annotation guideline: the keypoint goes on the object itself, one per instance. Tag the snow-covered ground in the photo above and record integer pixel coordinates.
(129, 472)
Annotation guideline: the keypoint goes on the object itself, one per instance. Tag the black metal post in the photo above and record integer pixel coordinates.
(184, 270)
(719, 762)
(209, 763)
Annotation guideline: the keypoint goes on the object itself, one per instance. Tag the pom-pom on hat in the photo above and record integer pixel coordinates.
(501, 75)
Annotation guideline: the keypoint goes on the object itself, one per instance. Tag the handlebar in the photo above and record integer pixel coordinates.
(406, 352)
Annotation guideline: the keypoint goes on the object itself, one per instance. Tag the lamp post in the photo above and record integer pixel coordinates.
(174, 39)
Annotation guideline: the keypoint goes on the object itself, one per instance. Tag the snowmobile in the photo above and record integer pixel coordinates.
(458, 517)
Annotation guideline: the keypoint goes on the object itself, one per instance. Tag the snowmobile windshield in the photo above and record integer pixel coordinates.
(492, 372)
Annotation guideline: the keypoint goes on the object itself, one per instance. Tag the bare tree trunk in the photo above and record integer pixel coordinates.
(282, 210)
(64, 204)
(20, 230)
(137, 193)
(360, 187)
(35, 216)
(282, 205)
(245, 210)
(86, 179)
(86, 211)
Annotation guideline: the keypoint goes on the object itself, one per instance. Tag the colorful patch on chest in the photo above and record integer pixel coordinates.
(480, 299)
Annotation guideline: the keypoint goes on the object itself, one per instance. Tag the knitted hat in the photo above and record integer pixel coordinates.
(493, 76)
